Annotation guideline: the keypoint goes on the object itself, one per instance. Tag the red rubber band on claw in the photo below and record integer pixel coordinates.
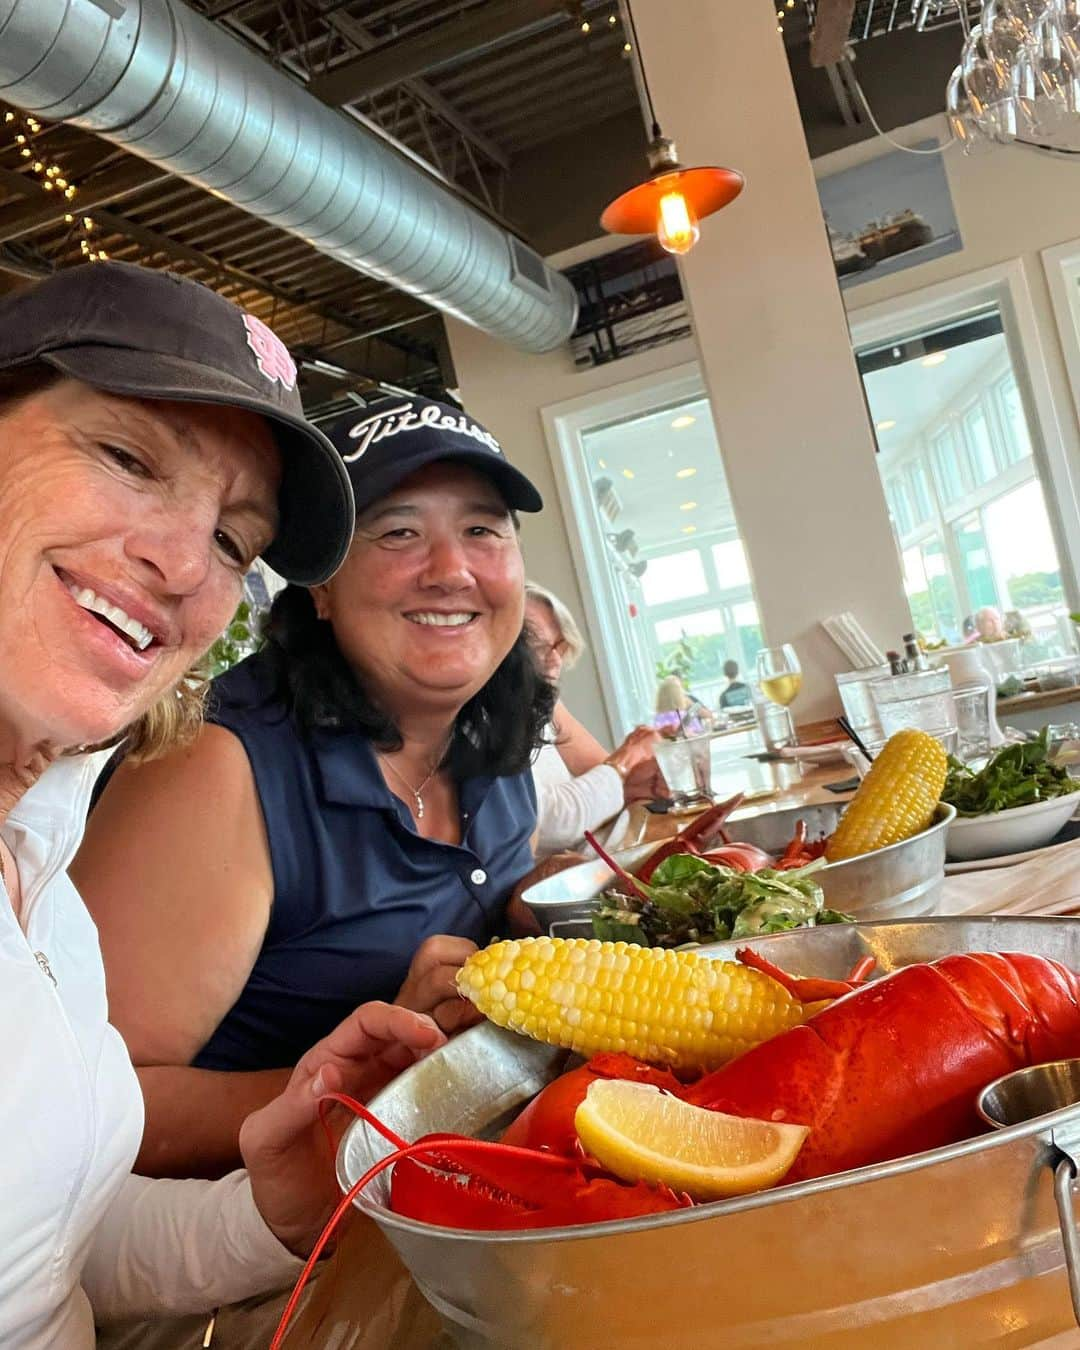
(441, 1148)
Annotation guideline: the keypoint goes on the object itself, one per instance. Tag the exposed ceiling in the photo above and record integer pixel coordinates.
(473, 90)
(502, 99)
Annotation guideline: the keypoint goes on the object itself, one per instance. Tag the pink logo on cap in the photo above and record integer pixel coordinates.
(271, 354)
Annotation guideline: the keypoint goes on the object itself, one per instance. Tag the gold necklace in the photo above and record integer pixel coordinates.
(416, 791)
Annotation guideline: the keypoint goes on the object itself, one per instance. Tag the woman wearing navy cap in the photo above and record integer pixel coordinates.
(152, 445)
(359, 815)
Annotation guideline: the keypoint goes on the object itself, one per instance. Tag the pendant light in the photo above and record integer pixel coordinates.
(673, 199)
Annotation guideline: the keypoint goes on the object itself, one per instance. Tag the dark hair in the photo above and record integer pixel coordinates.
(495, 733)
(731, 669)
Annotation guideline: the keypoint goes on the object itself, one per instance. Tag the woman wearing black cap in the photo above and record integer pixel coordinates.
(143, 465)
(358, 818)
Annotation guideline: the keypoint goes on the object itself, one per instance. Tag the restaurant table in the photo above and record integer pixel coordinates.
(793, 784)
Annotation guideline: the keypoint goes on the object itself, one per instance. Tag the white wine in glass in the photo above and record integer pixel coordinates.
(779, 674)
(781, 689)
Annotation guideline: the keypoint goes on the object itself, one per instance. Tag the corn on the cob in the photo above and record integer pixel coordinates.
(667, 1007)
(895, 800)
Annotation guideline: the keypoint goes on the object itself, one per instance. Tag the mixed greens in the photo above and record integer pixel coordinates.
(1017, 775)
(692, 900)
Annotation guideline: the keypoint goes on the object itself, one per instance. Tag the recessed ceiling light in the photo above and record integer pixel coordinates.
(628, 473)
(887, 425)
(689, 529)
(685, 473)
(688, 506)
(935, 358)
(685, 420)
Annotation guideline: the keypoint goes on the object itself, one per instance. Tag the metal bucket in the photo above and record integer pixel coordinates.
(959, 1247)
(901, 881)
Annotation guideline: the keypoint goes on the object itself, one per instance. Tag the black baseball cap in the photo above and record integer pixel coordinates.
(387, 441)
(150, 334)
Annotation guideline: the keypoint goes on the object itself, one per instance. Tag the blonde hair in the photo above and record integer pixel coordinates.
(174, 720)
(567, 625)
(671, 695)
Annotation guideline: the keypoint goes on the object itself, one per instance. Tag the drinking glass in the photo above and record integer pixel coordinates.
(780, 679)
(972, 703)
(922, 699)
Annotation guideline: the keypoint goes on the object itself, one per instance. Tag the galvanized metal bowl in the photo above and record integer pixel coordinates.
(901, 881)
(945, 1248)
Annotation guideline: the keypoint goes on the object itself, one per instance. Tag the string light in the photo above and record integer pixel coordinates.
(782, 13)
(52, 179)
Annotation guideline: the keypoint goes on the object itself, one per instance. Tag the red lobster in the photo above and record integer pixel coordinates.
(891, 1069)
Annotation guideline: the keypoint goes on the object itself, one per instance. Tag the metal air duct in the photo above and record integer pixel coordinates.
(159, 80)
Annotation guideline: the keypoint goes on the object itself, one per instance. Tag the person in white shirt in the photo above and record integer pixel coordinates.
(579, 785)
(152, 444)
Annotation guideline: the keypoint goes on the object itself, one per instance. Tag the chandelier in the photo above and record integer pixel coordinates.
(1018, 81)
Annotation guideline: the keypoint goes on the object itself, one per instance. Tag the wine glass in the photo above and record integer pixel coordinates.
(780, 679)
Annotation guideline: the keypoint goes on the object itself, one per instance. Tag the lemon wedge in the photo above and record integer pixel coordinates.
(640, 1133)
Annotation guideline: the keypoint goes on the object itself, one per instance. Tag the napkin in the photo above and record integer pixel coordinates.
(1047, 884)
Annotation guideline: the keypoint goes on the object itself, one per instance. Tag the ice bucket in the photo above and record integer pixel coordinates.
(958, 1247)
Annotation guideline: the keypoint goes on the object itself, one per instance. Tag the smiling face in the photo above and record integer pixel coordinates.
(125, 530)
(430, 598)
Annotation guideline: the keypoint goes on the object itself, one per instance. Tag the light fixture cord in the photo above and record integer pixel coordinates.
(639, 68)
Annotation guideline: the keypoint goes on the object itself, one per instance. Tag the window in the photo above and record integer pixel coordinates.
(1022, 545)
(732, 569)
(674, 577)
(921, 500)
(941, 593)
(654, 533)
(980, 446)
(897, 497)
(950, 478)
(961, 481)
(704, 623)
(1017, 442)
(975, 562)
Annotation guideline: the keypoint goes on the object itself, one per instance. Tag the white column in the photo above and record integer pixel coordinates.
(788, 403)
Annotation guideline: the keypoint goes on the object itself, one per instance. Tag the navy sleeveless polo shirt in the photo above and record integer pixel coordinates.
(356, 889)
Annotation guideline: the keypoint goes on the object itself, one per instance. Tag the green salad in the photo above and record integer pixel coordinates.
(691, 900)
(1017, 775)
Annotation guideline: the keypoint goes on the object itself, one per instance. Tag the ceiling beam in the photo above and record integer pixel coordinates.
(172, 248)
(360, 37)
(110, 186)
(471, 34)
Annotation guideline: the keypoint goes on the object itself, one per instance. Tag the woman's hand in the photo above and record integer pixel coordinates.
(430, 985)
(283, 1145)
(638, 748)
(635, 763)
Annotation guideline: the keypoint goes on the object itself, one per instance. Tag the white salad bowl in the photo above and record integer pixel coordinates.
(1016, 830)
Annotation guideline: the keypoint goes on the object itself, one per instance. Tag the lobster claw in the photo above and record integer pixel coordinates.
(505, 1188)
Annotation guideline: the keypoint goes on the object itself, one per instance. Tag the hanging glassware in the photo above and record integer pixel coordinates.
(1018, 81)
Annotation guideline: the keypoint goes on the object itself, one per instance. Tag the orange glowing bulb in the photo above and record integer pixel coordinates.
(677, 227)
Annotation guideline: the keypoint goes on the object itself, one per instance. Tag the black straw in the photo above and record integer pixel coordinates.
(853, 736)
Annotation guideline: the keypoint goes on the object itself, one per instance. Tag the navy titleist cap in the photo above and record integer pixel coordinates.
(386, 442)
(148, 334)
